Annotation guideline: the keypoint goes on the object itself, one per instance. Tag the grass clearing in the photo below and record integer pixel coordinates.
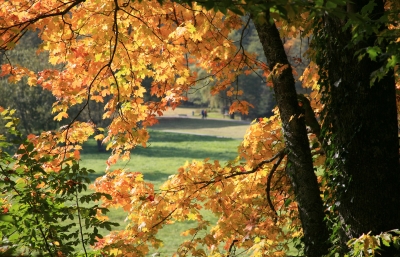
(165, 153)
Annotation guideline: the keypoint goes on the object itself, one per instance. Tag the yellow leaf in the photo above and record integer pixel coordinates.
(192, 216)
(99, 137)
(32, 81)
(191, 28)
(139, 178)
(181, 80)
(60, 116)
(9, 124)
(98, 56)
(53, 60)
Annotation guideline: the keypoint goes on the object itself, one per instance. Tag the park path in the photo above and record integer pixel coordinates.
(181, 120)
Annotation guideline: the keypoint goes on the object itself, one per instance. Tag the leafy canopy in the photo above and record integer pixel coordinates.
(106, 49)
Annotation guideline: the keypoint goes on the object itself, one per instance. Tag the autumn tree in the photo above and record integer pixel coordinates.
(270, 194)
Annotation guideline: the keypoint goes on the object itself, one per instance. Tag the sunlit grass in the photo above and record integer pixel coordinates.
(165, 153)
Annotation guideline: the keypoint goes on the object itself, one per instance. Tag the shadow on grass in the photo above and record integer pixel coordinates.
(156, 176)
(151, 150)
(167, 152)
(185, 123)
(93, 176)
(153, 176)
(157, 136)
(164, 149)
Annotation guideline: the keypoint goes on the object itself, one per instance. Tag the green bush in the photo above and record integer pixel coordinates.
(45, 212)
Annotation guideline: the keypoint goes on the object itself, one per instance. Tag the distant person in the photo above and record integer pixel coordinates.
(202, 114)
(205, 114)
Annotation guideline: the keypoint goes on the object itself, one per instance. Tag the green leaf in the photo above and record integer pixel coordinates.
(30, 147)
(208, 5)
(373, 52)
(367, 9)
(107, 226)
(392, 61)
(385, 243)
(330, 5)
(6, 218)
(236, 11)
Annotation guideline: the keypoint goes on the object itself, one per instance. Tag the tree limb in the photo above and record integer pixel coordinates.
(282, 154)
(231, 247)
(259, 165)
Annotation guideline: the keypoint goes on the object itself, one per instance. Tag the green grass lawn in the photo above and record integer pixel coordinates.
(165, 153)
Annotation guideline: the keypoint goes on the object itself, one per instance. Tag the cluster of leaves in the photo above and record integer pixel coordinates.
(108, 50)
(45, 206)
(32, 103)
(386, 49)
(371, 245)
(251, 217)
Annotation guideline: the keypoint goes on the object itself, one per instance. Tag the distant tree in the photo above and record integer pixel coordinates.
(33, 103)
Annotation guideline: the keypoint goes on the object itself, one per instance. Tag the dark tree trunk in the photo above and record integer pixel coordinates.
(300, 166)
(363, 122)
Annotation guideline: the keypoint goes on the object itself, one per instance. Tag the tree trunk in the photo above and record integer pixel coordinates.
(363, 122)
(300, 166)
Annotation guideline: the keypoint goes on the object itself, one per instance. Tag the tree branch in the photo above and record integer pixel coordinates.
(269, 179)
(27, 23)
(231, 248)
(80, 222)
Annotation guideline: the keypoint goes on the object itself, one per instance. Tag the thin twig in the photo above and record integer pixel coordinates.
(80, 221)
(231, 247)
(240, 173)
(259, 165)
(269, 179)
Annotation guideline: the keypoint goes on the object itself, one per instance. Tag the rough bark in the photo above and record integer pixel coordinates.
(363, 120)
(300, 167)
